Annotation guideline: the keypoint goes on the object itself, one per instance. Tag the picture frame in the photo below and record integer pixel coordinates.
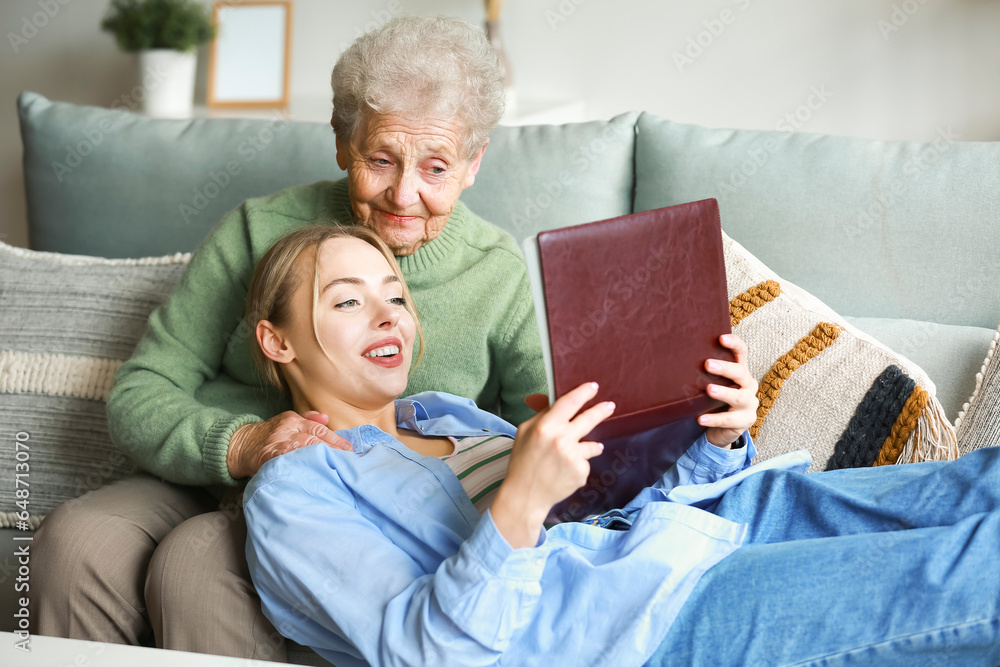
(250, 56)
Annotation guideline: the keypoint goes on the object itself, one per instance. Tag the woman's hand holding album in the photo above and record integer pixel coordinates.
(724, 428)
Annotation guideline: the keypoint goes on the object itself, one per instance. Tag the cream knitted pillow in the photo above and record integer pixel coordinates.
(978, 424)
(824, 385)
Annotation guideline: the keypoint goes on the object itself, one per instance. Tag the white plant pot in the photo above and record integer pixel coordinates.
(166, 77)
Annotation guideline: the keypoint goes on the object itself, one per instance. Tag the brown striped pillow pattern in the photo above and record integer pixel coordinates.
(826, 386)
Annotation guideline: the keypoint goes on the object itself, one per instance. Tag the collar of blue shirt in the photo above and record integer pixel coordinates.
(439, 414)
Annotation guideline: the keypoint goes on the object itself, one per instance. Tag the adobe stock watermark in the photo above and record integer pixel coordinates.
(220, 179)
(116, 466)
(619, 293)
(890, 195)
(93, 137)
(240, 335)
(794, 120)
(393, 9)
(600, 484)
(879, 547)
(920, 332)
(213, 524)
(562, 12)
(703, 40)
(32, 25)
(535, 205)
(553, 189)
(300, 612)
(418, 489)
(898, 17)
(757, 156)
(22, 551)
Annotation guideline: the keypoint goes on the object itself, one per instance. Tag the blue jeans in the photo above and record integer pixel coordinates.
(898, 565)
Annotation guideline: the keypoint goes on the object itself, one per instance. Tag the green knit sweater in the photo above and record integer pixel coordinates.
(192, 382)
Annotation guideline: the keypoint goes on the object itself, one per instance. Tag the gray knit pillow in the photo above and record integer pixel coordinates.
(978, 424)
(66, 324)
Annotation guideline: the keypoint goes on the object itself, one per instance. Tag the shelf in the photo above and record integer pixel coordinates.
(540, 111)
(316, 108)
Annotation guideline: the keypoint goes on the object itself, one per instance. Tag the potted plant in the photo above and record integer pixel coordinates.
(164, 35)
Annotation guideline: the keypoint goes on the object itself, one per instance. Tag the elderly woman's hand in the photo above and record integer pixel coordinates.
(724, 428)
(548, 462)
(253, 445)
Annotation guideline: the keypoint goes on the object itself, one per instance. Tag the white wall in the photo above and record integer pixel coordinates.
(765, 60)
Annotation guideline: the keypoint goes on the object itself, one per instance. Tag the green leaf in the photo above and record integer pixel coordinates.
(158, 24)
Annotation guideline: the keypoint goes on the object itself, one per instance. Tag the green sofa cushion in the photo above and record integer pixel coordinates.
(539, 177)
(873, 228)
(109, 183)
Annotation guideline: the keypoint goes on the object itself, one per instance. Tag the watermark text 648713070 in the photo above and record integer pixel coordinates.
(22, 580)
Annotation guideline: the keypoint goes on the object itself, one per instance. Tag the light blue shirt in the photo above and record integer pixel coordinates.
(379, 557)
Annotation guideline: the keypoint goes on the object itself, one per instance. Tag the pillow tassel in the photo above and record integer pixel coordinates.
(932, 440)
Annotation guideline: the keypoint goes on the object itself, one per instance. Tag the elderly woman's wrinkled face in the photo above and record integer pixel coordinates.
(405, 176)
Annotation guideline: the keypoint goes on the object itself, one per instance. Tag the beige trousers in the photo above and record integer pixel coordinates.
(143, 561)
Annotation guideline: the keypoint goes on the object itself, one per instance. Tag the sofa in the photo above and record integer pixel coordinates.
(899, 238)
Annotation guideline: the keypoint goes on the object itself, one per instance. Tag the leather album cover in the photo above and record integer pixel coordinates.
(636, 303)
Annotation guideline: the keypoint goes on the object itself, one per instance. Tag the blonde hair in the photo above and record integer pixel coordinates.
(274, 281)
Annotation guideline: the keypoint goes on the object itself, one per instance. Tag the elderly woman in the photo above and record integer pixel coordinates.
(153, 557)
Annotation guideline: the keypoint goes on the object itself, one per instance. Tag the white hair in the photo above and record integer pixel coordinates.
(421, 66)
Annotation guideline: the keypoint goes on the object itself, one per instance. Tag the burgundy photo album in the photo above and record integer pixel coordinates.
(637, 304)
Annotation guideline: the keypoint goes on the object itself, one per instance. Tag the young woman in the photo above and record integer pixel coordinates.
(425, 545)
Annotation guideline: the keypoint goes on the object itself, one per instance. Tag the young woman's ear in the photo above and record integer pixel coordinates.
(275, 346)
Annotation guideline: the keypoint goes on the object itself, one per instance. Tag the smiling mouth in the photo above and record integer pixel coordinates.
(397, 218)
(387, 351)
